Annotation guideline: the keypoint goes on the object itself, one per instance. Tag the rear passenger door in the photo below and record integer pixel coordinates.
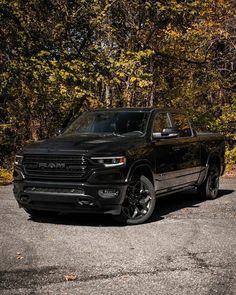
(187, 151)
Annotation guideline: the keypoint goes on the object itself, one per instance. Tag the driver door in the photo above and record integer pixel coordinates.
(164, 149)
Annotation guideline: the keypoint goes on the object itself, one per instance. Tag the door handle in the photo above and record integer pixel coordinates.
(176, 148)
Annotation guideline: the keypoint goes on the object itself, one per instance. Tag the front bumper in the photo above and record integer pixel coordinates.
(68, 197)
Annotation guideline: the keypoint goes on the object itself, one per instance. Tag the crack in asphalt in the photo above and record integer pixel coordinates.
(23, 278)
(199, 261)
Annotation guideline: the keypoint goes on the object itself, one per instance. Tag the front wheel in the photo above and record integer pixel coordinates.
(139, 202)
(210, 187)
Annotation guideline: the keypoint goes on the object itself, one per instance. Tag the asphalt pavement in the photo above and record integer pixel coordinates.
(188, 247)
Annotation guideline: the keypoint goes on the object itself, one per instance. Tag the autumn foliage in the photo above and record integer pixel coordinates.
(60, 57)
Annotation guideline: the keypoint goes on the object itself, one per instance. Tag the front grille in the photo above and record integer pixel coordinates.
(55, 166)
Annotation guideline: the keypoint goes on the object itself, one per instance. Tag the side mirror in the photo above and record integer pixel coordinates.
(166, 133)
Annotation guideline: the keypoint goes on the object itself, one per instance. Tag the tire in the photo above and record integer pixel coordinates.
(40, 214)
(139, 202)
(210, 187)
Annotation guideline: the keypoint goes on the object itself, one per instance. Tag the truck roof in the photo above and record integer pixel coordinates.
(135, 109)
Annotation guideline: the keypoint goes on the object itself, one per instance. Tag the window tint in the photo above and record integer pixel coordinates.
(110, 122)
(161, 122)
(181, 125)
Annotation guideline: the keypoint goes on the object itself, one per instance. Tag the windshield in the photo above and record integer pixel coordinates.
(110, 122)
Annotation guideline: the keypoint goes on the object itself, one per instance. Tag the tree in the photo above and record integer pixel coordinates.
(60, 57)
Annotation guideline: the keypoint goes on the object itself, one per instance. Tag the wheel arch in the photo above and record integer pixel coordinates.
(143, 167)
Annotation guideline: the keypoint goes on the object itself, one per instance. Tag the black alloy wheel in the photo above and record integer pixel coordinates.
(139, 203)
(210, 187)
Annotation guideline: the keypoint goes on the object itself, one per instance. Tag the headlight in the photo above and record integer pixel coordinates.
(110, 161)
(18, 160)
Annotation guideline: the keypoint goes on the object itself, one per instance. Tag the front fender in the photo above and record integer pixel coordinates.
(143, 165)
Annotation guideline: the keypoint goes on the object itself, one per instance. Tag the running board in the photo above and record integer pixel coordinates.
(170, 192)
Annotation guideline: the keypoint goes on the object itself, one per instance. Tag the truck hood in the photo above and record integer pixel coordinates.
(84, 144)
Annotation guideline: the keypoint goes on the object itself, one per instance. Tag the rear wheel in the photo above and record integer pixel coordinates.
(210, 187)
(139, 202)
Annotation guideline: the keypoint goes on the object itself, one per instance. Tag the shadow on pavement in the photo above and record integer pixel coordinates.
(178, 201)
(164, 206)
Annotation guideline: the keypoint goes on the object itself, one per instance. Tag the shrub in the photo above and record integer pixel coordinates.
(230, 156)
(5, 176)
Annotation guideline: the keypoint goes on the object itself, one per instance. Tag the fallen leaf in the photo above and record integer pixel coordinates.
(70, 277)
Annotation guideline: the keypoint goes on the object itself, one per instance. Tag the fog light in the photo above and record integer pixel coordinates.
(108, 193)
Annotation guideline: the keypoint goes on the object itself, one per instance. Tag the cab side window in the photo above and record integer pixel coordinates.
(161, 122)
(181, 124)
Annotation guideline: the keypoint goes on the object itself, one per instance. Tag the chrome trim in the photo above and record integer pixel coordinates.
(54, 193)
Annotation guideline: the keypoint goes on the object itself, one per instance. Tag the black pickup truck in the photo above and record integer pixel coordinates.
(118, 162)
